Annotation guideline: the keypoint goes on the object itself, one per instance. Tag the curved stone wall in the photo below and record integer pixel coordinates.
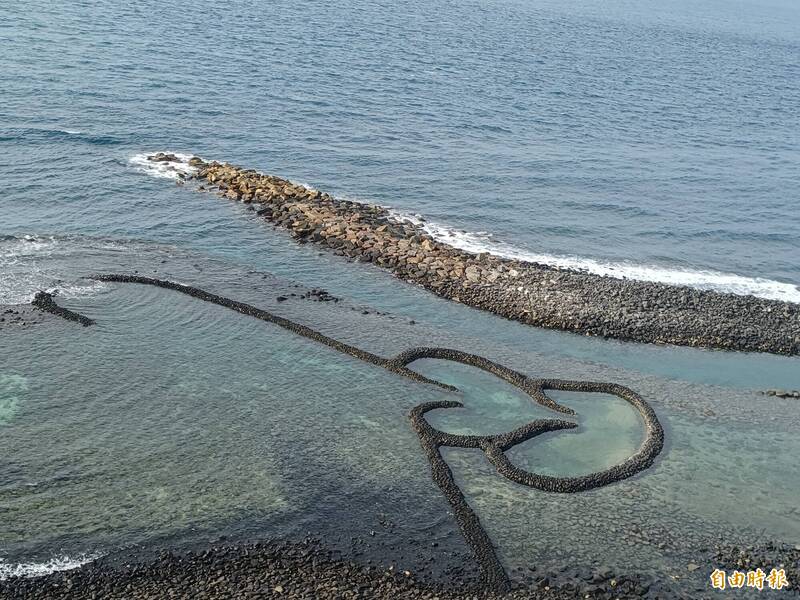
(432, 439)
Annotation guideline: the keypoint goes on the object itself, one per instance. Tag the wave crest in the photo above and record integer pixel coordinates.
(37, 569)
(167, 169)
(703, 279)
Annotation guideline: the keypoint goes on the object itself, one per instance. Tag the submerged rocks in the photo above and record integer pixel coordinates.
(283, 570)
(162, 157)
(527, 292)
(782, 393)
(18, 316)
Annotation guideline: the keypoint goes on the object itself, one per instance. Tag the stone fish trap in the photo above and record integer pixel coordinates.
(494, 447)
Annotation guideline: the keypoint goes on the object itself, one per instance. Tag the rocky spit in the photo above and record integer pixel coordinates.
(527, 292)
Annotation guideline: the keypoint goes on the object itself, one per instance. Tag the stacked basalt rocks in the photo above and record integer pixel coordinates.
(361, 232)
(527, 292)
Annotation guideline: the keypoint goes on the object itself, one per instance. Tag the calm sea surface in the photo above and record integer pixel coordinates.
(658, 140)
(640, 139)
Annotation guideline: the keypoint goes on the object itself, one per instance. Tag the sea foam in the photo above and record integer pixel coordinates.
(36, 569)
(25, 268)
(704, 279)
(162, 169)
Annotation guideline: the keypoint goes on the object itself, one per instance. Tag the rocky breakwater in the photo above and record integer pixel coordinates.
(527, 292)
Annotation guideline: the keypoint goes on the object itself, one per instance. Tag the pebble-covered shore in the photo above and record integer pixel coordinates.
(527, 292)
(304, 571)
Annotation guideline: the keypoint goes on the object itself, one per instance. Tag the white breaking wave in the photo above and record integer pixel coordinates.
(303, 184)
(21, 288)
(57, 563)
(728, 283)
(22, 275)
(163, 169)
(28, 245)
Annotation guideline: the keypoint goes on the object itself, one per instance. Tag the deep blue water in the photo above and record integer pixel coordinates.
(643, 139)
(651, 139)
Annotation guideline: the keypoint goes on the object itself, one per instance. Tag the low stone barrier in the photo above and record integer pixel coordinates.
(493, 574)
(44, 301)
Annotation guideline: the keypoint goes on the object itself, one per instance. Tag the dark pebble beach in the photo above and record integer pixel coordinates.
(303, 570)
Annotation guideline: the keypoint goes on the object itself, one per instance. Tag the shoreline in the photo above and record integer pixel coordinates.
(309, 569)
(530, 293)
(304, 569)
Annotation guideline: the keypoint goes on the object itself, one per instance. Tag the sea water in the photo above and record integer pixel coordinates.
(632, 140)
(172, 422)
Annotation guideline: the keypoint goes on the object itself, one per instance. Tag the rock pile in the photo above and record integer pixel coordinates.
(19, 316)
(44, 301)
(527, 292)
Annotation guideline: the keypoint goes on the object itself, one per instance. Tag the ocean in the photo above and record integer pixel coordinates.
(649, 141)
(634, 139)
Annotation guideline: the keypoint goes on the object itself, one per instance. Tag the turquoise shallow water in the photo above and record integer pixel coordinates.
(657, 142)
(172, 422)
